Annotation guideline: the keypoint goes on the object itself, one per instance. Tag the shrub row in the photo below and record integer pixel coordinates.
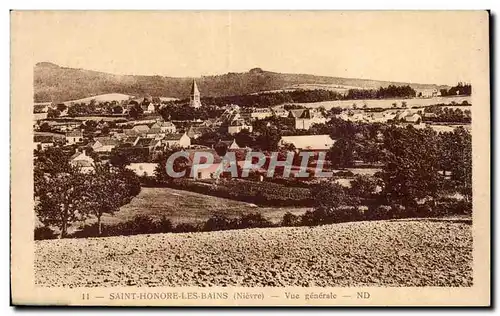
(320, 216)
(142, 224)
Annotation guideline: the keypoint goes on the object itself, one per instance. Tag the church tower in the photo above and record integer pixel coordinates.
(194, 100)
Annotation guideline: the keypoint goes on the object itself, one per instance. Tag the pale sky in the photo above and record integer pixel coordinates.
(420, 47)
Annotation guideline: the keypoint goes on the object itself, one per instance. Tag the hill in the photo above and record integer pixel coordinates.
(378, 253)
(58, 84)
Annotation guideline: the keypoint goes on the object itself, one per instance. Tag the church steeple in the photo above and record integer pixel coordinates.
(194, 100)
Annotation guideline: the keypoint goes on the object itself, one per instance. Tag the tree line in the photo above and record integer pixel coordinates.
(460, 89)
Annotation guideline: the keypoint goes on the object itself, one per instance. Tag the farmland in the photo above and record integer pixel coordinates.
(379, 253)
(387, 103)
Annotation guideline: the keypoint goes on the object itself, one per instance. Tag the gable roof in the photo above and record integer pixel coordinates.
(177, 136)
(144, 142)
(141, 128)
(77, 155)
(297, 113)
(107, 141)
(154, 130)
(198, 130)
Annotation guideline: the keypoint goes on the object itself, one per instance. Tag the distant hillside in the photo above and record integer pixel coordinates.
(57, 84)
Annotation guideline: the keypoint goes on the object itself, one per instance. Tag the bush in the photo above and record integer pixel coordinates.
(44, 232)
(290, 219)
(253, 220)
(165, 225)
(345, 214)
(186, 228)
(219, 222)
(452, 207)
(141, 224)
(315, 217)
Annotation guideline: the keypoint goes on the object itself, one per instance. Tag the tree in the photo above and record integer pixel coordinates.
(45, 127)
(180, 164)
(329, 195)
(456, 158)
(61, 199)
(363, 186)
(135, 111)
(411, 164)
(61, 107)
(244, 138)
(53, 113)
(119, 158)
(342, 153)
(109, 189)
(118, 110)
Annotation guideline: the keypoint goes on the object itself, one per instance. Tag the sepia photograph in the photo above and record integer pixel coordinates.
(214, 153)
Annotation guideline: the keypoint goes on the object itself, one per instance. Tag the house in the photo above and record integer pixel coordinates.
(308, 142)
(430, 115)
(74, 137)
(228, 144)
(257, 113)
(212, 171)
(280, 112)
(43, 142)
(143, 168)
(237, 125)
(130, 140)
(104, 144)
(82, 161)
(165, 127)
(305, 118)
(155, 133)
(176, 140)
(148, 143)
(413, 118)
(196, 131)
(401, 115)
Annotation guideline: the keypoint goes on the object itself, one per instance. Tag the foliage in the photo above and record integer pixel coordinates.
(44, 232)
(290, 219)
(445, 114)
(460, 89)
(411, 164)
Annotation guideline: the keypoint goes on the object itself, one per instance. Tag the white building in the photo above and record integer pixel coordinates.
(74, 137)
(82, 161)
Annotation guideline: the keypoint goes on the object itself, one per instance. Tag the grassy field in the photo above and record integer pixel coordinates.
(189, 207)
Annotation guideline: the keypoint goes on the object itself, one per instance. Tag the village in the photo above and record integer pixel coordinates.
(112, 128)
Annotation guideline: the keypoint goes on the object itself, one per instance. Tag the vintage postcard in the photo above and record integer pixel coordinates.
(250, 158)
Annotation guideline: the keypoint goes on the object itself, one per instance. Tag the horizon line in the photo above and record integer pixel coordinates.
(240, 72)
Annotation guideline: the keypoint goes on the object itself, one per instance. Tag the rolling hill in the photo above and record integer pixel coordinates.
(57, 84)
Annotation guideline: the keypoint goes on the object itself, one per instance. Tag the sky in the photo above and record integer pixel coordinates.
(419, 47)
